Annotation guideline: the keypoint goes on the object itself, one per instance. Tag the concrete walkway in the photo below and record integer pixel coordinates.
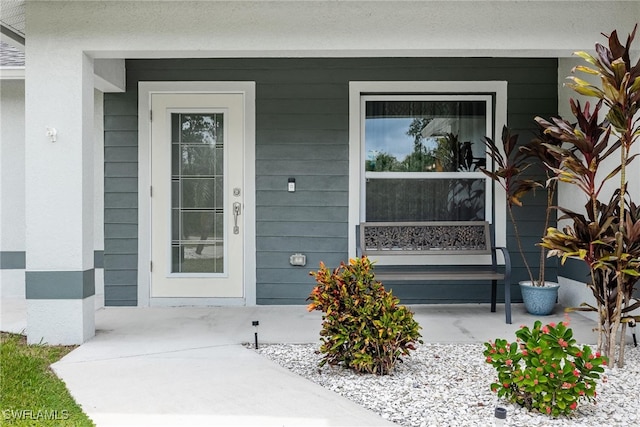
(187, 366)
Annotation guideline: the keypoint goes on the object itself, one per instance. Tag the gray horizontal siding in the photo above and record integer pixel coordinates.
(331, 151)
(12, 260)
(309, 137)
(294, 166)
(301, 198)
(119, 262)
(304, 213)
(115, 138)
(302, 243)
(119, 231)
(121, 185)
(60, 284)
(449, 292)
(121, 199)
(313, 229)
(98, 259)
(120, 216)
(301, 132)
(266, 260)
(303, 183)
(428, 293)
(575, 270)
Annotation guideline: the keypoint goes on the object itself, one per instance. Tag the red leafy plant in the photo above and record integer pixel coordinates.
(544, 369)
(606, 235)
(364, 327)
(510, 162)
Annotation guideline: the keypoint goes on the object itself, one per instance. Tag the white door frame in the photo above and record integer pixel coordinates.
(145, 89)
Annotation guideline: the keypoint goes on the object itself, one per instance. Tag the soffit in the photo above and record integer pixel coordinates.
(12, 19)
(12, 29)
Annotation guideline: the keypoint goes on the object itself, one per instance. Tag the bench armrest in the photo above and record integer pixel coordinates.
(507, 261)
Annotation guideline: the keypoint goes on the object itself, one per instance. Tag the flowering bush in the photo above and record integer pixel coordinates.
(545, 369)
(364, 327)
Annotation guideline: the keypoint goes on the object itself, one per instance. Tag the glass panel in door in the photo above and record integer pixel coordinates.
(197, 199)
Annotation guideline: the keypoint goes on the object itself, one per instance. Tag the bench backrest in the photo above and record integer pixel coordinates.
(433, 238)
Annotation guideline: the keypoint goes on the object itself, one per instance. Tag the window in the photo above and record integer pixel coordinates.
(415, 150)
(422, 156)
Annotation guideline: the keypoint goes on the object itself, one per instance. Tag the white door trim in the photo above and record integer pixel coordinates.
(145, 89)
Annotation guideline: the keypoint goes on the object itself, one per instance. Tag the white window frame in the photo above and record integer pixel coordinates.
(359, 91)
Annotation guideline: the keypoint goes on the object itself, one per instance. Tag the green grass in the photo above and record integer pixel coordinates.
(30, 393)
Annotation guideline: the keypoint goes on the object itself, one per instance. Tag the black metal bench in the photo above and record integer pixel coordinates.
(437, 239)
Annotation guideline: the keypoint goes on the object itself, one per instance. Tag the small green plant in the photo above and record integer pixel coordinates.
(545, 369)
(363, 326)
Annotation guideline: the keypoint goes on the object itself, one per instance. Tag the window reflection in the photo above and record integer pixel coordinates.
(421, 137)
(424, 136)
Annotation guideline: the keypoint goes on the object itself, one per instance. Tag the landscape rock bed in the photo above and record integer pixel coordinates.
(448, 385)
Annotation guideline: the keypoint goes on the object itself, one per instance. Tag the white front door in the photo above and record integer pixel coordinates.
(197, 221)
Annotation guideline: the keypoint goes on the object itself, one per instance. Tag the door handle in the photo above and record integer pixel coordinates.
(237, 207)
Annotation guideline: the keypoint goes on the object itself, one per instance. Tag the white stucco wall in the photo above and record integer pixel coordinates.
(12, 230)
(59, 175)
(327, 28)
(12, 184)
(59, 190)
(60, 321)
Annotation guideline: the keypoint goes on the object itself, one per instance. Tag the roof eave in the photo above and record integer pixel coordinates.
(11, 37)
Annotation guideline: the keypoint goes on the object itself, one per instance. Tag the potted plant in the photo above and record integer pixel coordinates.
(606, 236)
(510, 162)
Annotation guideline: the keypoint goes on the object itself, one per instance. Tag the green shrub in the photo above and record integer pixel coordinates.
(545, 369)
(363, 326)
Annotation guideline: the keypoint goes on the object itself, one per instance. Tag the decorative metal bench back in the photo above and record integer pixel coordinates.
(401, 238)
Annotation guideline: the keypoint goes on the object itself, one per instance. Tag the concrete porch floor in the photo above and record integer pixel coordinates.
(187, 366)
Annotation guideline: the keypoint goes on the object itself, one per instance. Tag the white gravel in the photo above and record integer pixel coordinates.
(448, 385)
